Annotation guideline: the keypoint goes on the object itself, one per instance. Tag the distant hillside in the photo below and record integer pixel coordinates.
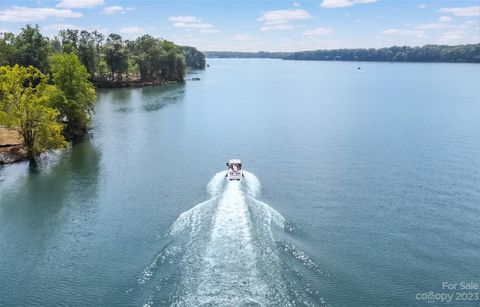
(428, 53)
(246, 55)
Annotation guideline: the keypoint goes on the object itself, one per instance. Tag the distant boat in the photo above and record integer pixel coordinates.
(196, 79)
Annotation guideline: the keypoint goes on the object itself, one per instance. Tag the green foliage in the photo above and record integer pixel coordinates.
(32, 48)
(194, 58)
(7, 48)
(77, 94)
(147, 58)
(157, 59)
(24, 106)
(116, 56)
(86, 51)
(69, 38)
(428, 53)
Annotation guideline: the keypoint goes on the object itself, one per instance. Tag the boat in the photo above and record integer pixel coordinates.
(234, 169)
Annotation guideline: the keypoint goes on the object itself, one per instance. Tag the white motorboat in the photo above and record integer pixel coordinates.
(234, 169)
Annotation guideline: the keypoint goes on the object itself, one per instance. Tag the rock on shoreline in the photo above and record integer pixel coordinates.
(11, 149)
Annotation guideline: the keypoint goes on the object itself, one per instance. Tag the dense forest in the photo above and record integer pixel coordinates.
(110, 60)
(428, 53)
(47, 86)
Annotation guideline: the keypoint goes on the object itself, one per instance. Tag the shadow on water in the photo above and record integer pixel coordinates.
(231, 250)
(149, 98)
(45, 212)
(156, 98)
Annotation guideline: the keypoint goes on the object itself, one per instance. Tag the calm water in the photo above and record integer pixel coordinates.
(363, 190)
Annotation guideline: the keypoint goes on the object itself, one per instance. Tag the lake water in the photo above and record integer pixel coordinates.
(363, 189)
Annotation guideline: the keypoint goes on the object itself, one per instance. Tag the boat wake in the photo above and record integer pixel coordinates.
(224, 252)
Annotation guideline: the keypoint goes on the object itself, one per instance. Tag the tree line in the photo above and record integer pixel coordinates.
(428, 53)
(46, 109)
(106, 58)
(47, 90)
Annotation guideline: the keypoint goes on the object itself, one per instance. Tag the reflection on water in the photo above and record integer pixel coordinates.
(150, 98)
(39, 222)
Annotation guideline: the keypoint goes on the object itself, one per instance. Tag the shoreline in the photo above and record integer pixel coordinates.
(11, 147)
(130, 83)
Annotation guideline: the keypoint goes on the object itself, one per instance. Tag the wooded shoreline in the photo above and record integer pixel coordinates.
(47, 86)
(426, 54)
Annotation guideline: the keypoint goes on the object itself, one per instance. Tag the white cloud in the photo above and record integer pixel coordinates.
(445, 19)
(209, 31)
(21, 13)
(185, 19)
(53, 29)
(70, 4)
(60, 26)
(452, 37)
(244, 37)
(396, 32)
(277, 27)
(431, 26)
(284, 16)
(191, 22)
(132, 30)
(422, 6)
(280, 19)
(318, 32)
(343, 3)
(115, 9)
(296, 4)
(189, 25)
(462, 11)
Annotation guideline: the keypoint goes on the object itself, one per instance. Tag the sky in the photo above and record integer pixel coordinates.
(249, 25)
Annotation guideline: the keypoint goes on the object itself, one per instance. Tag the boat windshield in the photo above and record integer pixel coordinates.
(234, 166)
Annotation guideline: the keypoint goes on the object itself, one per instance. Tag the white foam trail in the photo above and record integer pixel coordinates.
(214, 187)
(252, 183)
(193, 217)
(229, 275)
(268, 214)
(224, 252)
(231, 257)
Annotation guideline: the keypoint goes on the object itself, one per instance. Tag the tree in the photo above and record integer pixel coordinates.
(194, 59)
(32, 48)
(98, 40)
(7, 49)
(86, 51)
(77, 96)
(69, 40)
(24, 107)
(116, 55)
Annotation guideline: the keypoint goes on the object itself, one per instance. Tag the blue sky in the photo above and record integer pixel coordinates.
(259, 25)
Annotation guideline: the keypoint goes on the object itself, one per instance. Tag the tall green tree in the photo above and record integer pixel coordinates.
(193, 58)
(32, 48)
(86, 51)
(24, 107)
(98, 39)
(69, 39)
(77, 97)
(7, 48)
(116, 56)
